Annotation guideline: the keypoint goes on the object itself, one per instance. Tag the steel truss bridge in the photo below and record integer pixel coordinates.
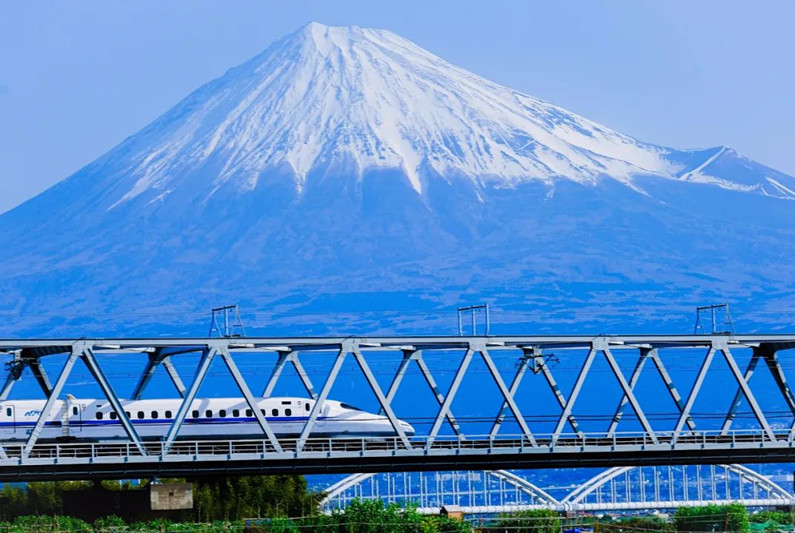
(615, 489)
(567, 445)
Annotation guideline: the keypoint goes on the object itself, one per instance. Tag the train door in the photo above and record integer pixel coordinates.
(9, 414)
(74, 417)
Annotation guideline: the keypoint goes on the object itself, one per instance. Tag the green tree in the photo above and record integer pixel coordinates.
(535, 521)
(732, 517)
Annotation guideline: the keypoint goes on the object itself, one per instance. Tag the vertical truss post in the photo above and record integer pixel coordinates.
(252, 403)
(575, 392)
(749, 396)
(50, 403)
(444, 409)
(90, 360)
(628, 391)
(385, 405)
(506, 394)
(416, 355)
(201, 372)
(320, 401)
(738, 396)
(691, 398)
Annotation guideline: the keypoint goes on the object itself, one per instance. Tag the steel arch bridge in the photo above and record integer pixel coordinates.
(615, 489)
(624, 433)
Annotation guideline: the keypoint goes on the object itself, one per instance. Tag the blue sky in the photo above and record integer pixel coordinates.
(78, 77)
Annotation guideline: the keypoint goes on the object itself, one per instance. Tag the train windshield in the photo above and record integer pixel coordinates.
(348, 406)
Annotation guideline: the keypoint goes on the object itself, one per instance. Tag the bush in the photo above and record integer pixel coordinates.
(780, 517)
(535, 521)
(733, 517)
(52, 524)
(110, 524)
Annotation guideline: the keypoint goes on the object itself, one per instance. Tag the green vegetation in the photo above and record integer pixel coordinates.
(539, 521)
(252, 496)
(366, 516)
(283, 504)
(733, 517)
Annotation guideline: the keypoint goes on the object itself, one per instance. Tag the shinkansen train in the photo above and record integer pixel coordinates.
(208, 418)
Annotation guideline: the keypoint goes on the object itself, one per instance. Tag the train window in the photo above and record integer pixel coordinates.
(8, 411)
(140, 414)
(307, 406)
(288, 412)
(275, 412)
(263, 412)
(113, 416)
(128, 414)
(74, 410)
(249, 412)
(208, 413)
(222, 413)
(236, 412)
(195, 414)
(348, 406)
(168, 414)
(154, 414)
(287, 402)
(99, 415)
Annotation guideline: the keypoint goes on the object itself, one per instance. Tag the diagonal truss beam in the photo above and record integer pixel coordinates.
(385, 405)
(416, 355)
(628, 393)
(768, 354)
(320, 401)
(83, 351)
(746, 390)
(534, 355)
(157, 358)
(444, 409)
(506, 394)
(601, 345)
(645, 355)
(684, 416)
(88, 357)
(250, 400)
(575, 392)
(756, 355)
(15, 369)
(517, 379)
(292, 358)
(50, 403)
(208, 354)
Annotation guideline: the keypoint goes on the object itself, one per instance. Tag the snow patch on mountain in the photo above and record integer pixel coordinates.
(363, 99)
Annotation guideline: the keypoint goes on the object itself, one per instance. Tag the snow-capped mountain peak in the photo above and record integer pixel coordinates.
(352, 100)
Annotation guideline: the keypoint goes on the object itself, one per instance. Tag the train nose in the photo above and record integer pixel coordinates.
(407, 428)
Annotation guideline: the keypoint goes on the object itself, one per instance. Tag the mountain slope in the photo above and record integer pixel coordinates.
(347, 169)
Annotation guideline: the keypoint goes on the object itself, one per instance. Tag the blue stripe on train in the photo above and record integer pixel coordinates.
(163, 421)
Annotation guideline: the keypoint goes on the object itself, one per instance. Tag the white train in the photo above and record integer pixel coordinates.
(208, 418)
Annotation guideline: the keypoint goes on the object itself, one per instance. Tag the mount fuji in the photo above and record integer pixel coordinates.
(346, 180)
